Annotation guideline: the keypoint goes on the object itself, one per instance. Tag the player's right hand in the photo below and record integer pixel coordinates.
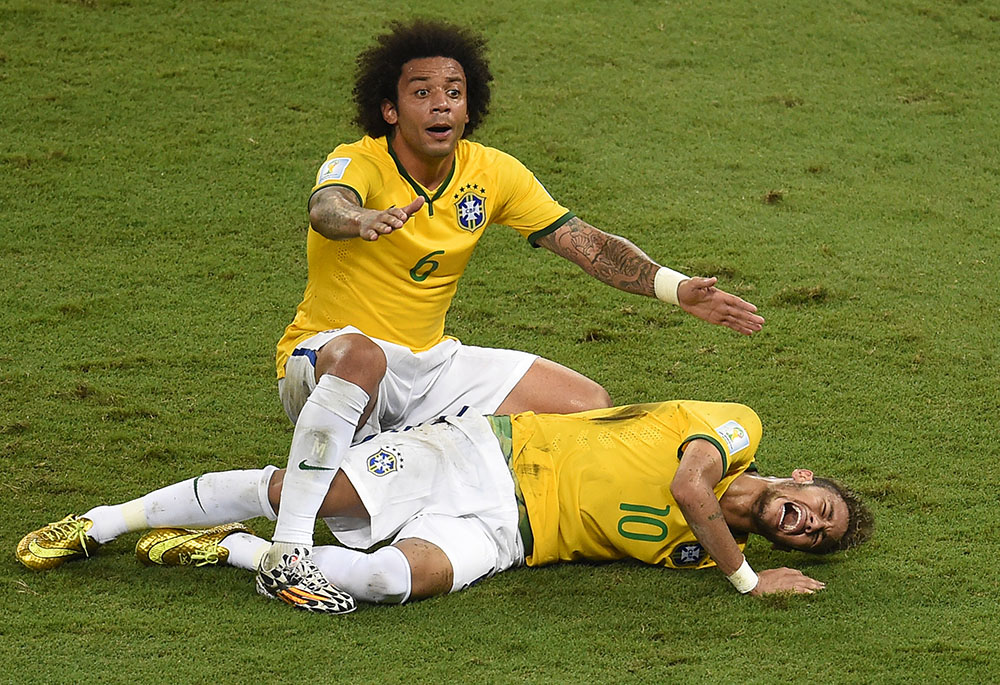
(375, 224)
(785, 580)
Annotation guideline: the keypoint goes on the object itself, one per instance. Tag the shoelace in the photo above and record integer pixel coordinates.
(310, 575)
(66, 530)
(206, 556)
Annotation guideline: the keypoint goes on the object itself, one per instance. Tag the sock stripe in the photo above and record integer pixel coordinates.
(196, 497)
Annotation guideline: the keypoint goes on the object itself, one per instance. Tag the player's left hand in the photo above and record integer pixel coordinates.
(700, 297)
(792, 580)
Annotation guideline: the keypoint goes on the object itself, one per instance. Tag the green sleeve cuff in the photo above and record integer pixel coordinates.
(538, 235)
(714, 441)
(335, 185)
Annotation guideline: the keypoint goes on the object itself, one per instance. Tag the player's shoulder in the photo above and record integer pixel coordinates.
(375, 149)
(475, 152)
(722, 413)
(349, 162)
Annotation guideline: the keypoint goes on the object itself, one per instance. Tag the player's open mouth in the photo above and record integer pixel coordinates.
(441, 131)
(791, 519)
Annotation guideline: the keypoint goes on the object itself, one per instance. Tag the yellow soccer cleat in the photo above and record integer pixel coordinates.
(57, 542)
(186, 546)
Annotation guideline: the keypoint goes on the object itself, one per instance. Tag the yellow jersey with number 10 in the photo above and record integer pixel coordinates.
(596, 485)
(399, 287)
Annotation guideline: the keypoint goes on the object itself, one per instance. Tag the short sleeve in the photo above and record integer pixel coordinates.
(525, 205)
(348, 167)
(734, 429)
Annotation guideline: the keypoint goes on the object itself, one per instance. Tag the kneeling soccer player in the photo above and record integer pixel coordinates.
(462, 498)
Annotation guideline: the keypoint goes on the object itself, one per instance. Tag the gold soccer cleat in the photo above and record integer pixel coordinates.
(57, 542)
(186, 546)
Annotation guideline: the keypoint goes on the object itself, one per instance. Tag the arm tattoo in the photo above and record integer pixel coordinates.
(333, 213)
(608, 258)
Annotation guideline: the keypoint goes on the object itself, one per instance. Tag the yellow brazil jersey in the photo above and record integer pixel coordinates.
(596, 485)
(399, 287)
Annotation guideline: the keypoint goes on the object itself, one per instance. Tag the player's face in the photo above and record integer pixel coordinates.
(801, 516)
(431, 111)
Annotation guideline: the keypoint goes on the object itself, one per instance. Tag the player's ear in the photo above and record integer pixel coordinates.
(389, 112)
(802, 476)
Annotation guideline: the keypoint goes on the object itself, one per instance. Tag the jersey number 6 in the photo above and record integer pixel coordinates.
(425, 261)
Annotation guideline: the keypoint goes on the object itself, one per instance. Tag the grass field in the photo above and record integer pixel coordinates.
(835, 163)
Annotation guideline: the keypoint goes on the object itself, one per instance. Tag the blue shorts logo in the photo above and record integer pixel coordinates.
(382, 463)
(470, 207)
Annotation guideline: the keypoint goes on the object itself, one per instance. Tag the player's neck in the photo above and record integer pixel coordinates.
(429, 172)
(738, 501)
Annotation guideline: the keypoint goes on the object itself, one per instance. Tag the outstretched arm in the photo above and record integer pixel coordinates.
(699, 471)
(334, 213)
(619, 263)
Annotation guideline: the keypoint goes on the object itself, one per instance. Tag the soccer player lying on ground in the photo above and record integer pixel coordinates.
(465, 497)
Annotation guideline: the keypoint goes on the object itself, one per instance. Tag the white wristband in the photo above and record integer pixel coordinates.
(744, 579)
(665, 284)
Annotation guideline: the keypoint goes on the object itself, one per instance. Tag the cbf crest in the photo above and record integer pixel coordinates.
(470, 207)
(383, 463)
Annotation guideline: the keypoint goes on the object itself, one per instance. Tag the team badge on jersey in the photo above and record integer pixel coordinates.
(687, 554)
(383, 462)
(735, 435)
(470, 207)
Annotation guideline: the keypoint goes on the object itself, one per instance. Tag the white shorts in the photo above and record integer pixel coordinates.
(446, 482)
(417, 387)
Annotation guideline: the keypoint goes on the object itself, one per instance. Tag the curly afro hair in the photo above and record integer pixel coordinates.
(380, 66)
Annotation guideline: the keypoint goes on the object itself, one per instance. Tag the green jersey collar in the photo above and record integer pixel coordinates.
(420, 190)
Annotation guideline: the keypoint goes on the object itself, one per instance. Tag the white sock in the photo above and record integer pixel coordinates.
(245, 550)
(323, 432)
(383, 576)
(201, 502)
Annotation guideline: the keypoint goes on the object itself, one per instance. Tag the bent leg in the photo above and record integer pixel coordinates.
(349, 369)
(552, 388)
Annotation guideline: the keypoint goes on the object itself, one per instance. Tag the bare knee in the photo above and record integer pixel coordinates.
(593, 396)
(430, 568)
(274, 489)
(354, 358)
(552, 388)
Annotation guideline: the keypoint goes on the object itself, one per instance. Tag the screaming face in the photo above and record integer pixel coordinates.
(798, 516)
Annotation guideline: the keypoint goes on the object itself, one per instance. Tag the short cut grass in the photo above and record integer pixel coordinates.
(380, 66)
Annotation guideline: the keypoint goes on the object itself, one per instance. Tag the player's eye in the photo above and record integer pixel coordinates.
(422, 92)
(454, 93)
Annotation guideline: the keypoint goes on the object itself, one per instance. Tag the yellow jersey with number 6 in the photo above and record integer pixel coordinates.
(596, 485)
(399, 287)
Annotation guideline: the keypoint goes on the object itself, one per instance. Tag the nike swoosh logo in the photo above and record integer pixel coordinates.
(309, 467)
(49, 552)
(157, 551)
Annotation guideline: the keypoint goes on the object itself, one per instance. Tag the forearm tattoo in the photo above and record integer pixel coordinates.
(335, 215)
(608, 258)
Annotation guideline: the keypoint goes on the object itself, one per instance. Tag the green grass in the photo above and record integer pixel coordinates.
(834, 163)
